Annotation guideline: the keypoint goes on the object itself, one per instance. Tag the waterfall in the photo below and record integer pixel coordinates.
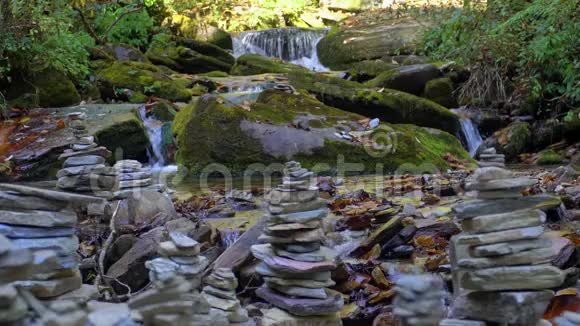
(154, 130)
(470, 132)
(295, 45)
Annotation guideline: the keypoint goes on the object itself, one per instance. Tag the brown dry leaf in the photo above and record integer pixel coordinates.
(567, 291)
(349, 310)
(424, 241)
(380, 278)
(373, 254)
(354, 210)
(382, 296)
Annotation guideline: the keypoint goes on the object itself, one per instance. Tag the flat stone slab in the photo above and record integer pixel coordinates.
(300, 283)
(513, 308)
(504, 221)
(502, 184)
(266, 254)
(62, 245)
(265, 270)
(83, 160)
(533, 232)
(38, 218)
(528, 257)
(11, 200)
(287, 208)
(277, 197)
(509, 248)
(50, 194)
(52, 288)
(15, 231)
(303, 306)
(279, 317)
(293, 237)
(536, 277)
(299, 217)
(471, 209)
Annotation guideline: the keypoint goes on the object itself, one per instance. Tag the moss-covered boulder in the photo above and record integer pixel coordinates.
(215, 36)
(549, 157)
(209, 131)
(162, 111)
(440, 91)
(515, 139)
(188, 56)
(255, 64)
(47, 88)
(126, 138)
(347, 5)
(411, 79)
(141, 78)
(387, 104)
(123, 52)
(368, 69)
(345, 45)
(282, 126)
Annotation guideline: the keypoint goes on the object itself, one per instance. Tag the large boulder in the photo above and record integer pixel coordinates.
(411, 79)
(188, 56)
(512, 140)
(369, 69)
(255, 64)
(282, 126)
(347, 5)
(140, 78)
(126, 137)
(387, 104)
(348, 44)
(122, 52)
(440, 91)
(47, 88)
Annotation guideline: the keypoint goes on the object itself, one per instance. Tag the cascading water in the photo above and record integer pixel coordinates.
(154, 130)
(295, 45)
(470, 132)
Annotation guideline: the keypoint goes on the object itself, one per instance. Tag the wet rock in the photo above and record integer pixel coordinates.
(223, 299)
(303, 306)
(419, 300)
(279, 317)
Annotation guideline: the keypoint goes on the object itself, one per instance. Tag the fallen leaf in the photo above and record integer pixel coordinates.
(382, 296)
(380, 278)
(373, 254)
(349, 310)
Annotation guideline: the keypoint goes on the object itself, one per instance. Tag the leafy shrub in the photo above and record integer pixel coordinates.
(531, 49)
(124, 24)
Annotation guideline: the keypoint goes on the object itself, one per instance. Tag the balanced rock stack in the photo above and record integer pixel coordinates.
(174, 302)
(295, 266)
(568, 318)
(179, 256)
(501, 263)
(42, 221)
(220, 293)
(490, 157)
(15, 264)
(84, 169)
(132, 176)
(419, 300)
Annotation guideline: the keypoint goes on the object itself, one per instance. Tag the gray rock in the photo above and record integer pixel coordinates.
(14, 312)
(97, 151)
(514, 278)
(299, 217)
(135, 183)
(504, 221)
(5, 245)
(507, 248)
(183, 241)
(264, 270)
(168, 248)
(38, 218)
(83, 147)
(222, 278)
(117, 314)
(501, 184)
(297, 291)
(303, 306)
(14, 231)
(513, 308)
(224, 294)
(15, 265)
(100, 169)
(62, 245)
(471, 209)
(461, 322)
(319, 255)
(299, 283)
(83, 160)
(14, 201)
(69, 198)
(134, 176)
(288, 208)
(221, 303)
(533, 232)
(52, 288)
(279, 317)
(277, 197)
(300, 248)
(529, 257)
(87, 181)
(295, 237)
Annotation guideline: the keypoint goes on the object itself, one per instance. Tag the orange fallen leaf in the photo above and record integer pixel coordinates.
(380, 278)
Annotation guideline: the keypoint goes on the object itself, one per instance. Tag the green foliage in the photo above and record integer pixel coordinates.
(124, 24)
(532, 48)
(549, 157)
(41, 34)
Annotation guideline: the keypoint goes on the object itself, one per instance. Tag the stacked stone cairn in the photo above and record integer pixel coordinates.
(419, 300)
(568, 318)
(43, 222)
(179, 255)
(220, 293)
(15, 264)
(84, 168)
(131, 177)
(295, 266)
(174, 300)
(501, 263)
(490, 157)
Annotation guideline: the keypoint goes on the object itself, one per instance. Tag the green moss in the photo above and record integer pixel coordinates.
(138, 97)
(440, 91)
(163, 111)
(127, 137)
(209, 132)
(389, 105)
(142, 77)
(519, 139)
(56, 90)
(549, 157)
(188, 56)
(278, 107)
(415, 150)
(255, 64)
(383, 79)
(369, 69)
(216, 74)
